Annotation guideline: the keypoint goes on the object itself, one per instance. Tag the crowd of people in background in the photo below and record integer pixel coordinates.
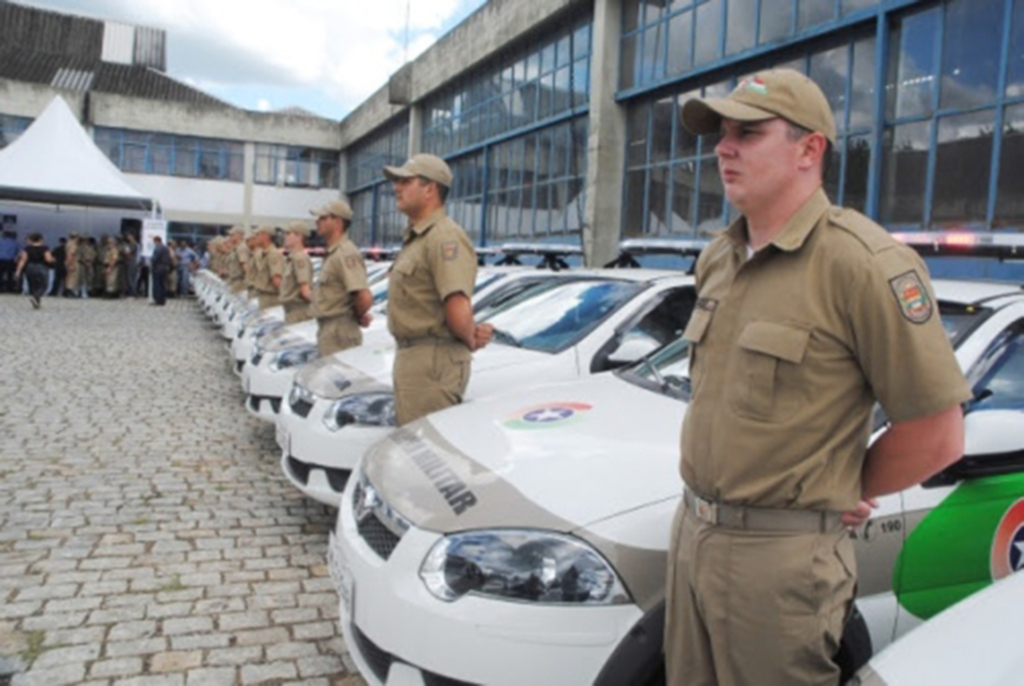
(84, 266)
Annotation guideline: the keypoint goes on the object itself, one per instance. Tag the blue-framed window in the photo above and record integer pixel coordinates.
(146, 152)
(375, 218)
(295, 166)
(663, 39)
(954, 114)
(11, 127)
(388, 146)
(547, 80)
(195, 234)
(672, 184)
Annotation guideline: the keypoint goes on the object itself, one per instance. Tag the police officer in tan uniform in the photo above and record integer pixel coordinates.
(111, 272)
(237, 258)
(807, 315)
(86, 265)
(429, 309)
(252, 266)
(269, 267)
(71, 265)
(341, 298)
(297, 281)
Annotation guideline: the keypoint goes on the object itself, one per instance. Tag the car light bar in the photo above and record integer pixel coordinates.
(630, 248)
(540, 249)
(952, 243)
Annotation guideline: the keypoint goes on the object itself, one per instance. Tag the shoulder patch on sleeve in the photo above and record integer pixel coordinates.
(912, 296)
(351, 261)
(449, 250)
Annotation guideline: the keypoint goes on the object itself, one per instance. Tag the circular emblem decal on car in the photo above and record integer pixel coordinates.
(1008, 544)
(546, 416)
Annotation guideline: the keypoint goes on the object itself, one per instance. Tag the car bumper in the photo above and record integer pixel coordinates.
(316, 460)
(398, 633)
(264, 389)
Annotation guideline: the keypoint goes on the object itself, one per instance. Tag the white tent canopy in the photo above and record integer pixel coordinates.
(55, 161)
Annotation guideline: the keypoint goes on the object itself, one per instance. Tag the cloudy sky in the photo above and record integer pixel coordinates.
(324, 55)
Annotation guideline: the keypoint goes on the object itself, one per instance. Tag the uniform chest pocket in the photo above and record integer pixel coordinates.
(694, 333)
(766, 366)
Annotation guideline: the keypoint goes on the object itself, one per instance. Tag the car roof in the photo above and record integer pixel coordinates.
(964, 292)
(638, 275)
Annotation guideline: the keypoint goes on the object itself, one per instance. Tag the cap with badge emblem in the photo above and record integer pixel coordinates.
(428, 166)
(784, 93)
(335, 208)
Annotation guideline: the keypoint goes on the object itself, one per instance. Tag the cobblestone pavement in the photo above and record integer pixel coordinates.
(147, 537)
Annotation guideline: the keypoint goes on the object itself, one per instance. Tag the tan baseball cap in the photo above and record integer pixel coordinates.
(237, 229)
(301, 228)
(267, 229)
(335, 208)
(766, 95)
(428, 166)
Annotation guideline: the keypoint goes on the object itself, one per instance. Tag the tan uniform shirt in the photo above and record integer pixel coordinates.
(269, 264)
(252, 268)
(791, 349)
(298, 271)
(436, 260)
(343, 273)
(236, 273)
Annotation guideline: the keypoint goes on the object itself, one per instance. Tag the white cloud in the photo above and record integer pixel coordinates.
(345, 48)
(263, 105)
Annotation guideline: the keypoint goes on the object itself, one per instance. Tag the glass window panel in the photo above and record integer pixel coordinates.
(686, 142)
(653, 58)
(858, 160)
(563, 53)
(849, 6)
(1010, 200)
(562, 90)
(718, 90)
(832, 171)
(657, 198)
(799, 64)
(1015, 70)
(862, 91)
(910, 88)
(236, 169)
(634, 210)
(636, 150)
(547, 58)
(740, 30)
(710, 202)
(683, 187)
(134, 158)
(581, 42)
(814, 12)
(680, 43)
(580, 82)
(185, 158)
(209, 165)
(627, 62)
(661, 130)
(776, 16)
(904, 172)
(970, 62)
(830, 70)
(632, 15)
(963, 157)
(160, 159)
(708, 32)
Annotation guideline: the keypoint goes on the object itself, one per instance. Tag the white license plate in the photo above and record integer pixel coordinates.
(281, 434)
(342, 576)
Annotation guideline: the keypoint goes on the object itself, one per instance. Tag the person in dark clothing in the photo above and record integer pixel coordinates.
(32, 261)
(60, 270)
(160, 264)
(8, 256)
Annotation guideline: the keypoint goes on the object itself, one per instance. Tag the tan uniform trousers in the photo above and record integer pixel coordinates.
(336, 334)
(110, 277)
(755, 608)
(71, 279)
(429, 376)
(267, 300)
(297, 312)
(236, 286)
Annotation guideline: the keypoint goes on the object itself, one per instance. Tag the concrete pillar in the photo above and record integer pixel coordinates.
(343, 174)
(606, 142)
(415, 129)
(249, 177)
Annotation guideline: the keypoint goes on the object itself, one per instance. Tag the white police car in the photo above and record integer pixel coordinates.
(522, 538)
(977, 642)
(267, 378)
(597, 320)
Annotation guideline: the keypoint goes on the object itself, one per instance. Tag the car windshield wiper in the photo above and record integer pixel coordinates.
(507, 338)
(655, 373)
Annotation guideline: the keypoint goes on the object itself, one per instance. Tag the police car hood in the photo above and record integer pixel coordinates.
(371, 363)
(558, 457)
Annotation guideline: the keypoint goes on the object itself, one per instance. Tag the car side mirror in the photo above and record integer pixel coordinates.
(993, 445)
(631, 350)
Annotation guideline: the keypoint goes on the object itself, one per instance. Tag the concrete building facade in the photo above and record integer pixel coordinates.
(560, 119)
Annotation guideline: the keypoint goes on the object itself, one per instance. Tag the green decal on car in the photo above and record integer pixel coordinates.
(958, 548)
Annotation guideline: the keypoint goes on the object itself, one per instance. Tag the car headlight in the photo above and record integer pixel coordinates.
(293, 357)
(368, 409)
(299, 394)
(522, 565)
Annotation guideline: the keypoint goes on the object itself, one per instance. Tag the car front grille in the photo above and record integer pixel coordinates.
(300, 470)
(256, 360)
(380, 661)
(238, 365)
(380, 538)
(302, 408)
(275, 405)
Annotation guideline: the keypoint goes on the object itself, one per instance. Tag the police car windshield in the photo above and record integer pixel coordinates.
(959, 319)
(555, 318)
